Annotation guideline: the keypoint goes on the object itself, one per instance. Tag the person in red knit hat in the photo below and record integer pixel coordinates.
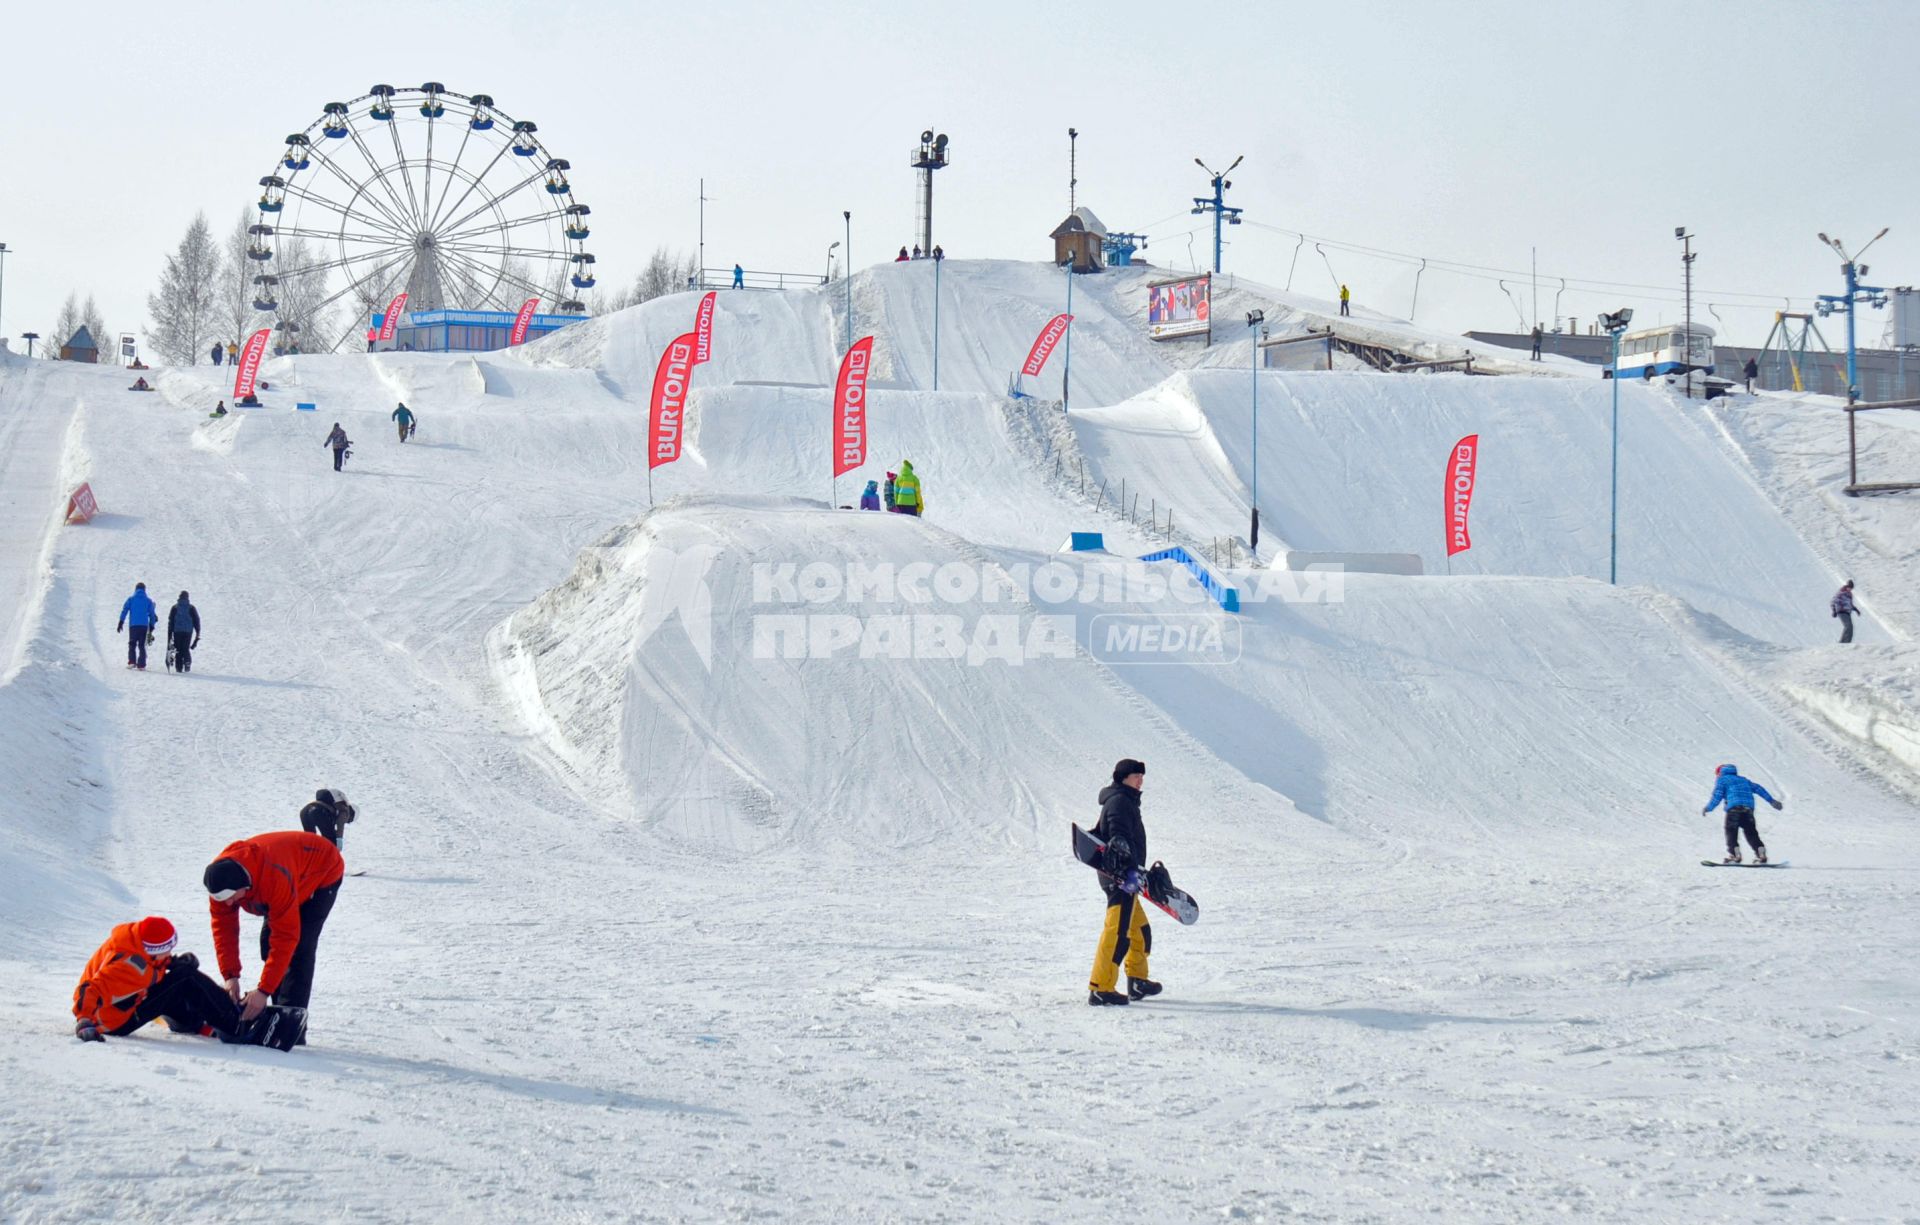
(136, 977)
(290, 879)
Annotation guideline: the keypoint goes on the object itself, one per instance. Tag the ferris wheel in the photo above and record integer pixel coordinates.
(438, 194)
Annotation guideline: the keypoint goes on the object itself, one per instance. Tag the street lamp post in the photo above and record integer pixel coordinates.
(1256, 320)
(1686, 261)
(1066, 368)
(1615, 324)
(847, 216)
(831, 248)
(938, 259)
(3, 284)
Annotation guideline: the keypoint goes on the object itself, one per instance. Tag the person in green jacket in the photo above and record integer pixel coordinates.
(907, 498)
(404, 417)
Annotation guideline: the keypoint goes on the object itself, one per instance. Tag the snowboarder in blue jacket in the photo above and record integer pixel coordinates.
(1738, 793)
(138, 616)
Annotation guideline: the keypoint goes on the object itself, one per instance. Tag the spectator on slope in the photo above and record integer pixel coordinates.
(1750, 371)
(233, 353)
(1345, 297)
(183, 623)
(404, 416)
(1738, 792)
(339, 441)
(1843, 607)
(329, 815)
(886, 492)
(219, 410)
(1126, 938)
(939, 254)
(140, 384)
(217, 353)
(739, 277)
(138, 617)
(917, 252)
(870, 500)
(907, 498)
(136, 977)
(290, 879)
(902, 257)
(1536, 342)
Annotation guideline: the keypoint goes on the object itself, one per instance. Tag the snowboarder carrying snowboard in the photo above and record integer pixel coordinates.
(183, 630)
(404, 417)
(328, 815)
(339, 441)
(136, 977)
(1126, 937)
(1738, 792)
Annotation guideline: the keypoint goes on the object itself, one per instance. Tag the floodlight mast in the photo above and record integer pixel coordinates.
(1825, 304)
(1216, 204)
(1614, 324)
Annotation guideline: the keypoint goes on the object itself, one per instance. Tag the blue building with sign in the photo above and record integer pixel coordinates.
(451, 331)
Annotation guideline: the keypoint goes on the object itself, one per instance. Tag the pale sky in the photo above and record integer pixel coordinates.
(1462, 132)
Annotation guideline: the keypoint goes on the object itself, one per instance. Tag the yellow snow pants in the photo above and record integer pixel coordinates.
(1126, 937)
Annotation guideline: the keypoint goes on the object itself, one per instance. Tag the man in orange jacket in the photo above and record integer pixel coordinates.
(135, 977)
(290, 878)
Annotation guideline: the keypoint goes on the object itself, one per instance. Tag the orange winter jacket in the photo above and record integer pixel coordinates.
(287, 868)
(117, 979)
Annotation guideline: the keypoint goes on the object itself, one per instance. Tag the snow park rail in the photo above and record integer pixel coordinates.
(1226, 597)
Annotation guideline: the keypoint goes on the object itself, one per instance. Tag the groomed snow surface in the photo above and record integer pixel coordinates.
(675, 911)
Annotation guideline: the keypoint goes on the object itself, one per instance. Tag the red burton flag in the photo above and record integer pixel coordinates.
(392, 320)
(703, 330)
(667, 416)
(1461, 465)
(250, 355)
(521, 322)
(850, 408)
(1044, 343)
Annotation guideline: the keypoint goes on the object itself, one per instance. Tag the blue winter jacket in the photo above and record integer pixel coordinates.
(138, 610)
(1736, 791)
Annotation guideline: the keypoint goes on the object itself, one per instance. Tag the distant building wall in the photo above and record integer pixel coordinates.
(1885, 374)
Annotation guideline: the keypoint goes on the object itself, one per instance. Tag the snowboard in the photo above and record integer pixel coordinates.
(1177, 902)
(1715, 863)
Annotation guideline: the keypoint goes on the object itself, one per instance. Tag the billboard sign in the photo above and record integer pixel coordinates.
(1180, 308)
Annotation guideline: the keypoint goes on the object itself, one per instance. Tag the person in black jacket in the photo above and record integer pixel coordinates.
(183, 623)
(328, 815)
(1126, 937)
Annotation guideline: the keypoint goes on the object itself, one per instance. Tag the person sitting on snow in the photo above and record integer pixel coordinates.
(140, 384)
(136, 978)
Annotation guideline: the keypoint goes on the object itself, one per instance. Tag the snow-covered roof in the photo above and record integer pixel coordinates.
(1080, 221)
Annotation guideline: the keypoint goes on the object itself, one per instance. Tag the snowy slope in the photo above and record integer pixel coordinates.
(799, 938)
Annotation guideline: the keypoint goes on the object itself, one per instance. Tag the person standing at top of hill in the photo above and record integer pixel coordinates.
(217, 353)
(1843, 607)
(902, 257)
(1126, 937)
(138, 616)
(907, 498)
(1750, 372)
(739, 277)
(1537, 334)
(233, 353)
(339, 441)
(1738, 792)
(1345, 297)
(403, 416)
(870, 500)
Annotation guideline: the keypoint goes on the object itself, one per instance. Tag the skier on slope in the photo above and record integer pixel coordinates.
(290, 879)
(339, 441)
(404, 416)
(1738, 792)
(138, 616)
(329, 815)
(183, 623)
(1126, 936)
(136, 977)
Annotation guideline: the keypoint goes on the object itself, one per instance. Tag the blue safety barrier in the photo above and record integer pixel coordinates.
(1087, 542)
(305, 408)
(1226, 597)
